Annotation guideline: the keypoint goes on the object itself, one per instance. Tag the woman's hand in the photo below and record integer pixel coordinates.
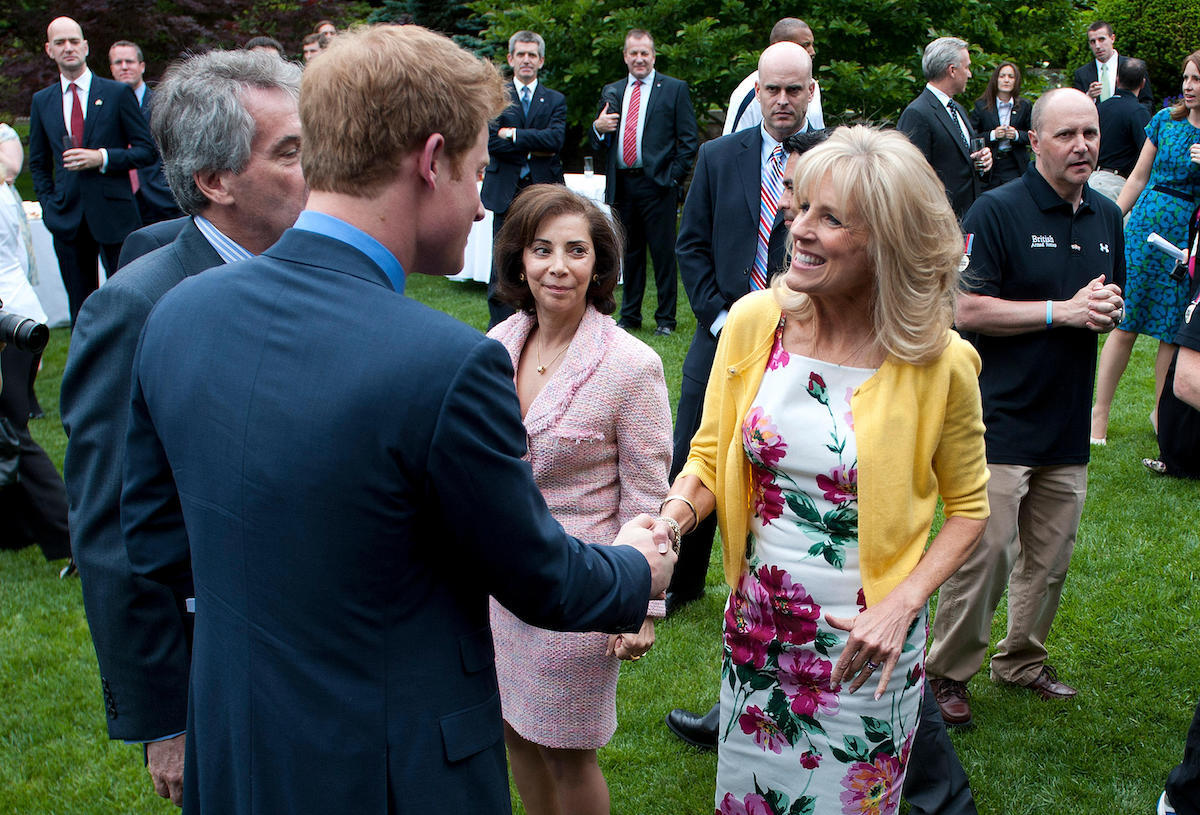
(876, 640)
(632, 646)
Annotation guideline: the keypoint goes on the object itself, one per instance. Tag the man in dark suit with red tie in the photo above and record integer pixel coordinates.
(938, 125)
(523, 142)
(85, 135)
(647, 125)
(154, 199)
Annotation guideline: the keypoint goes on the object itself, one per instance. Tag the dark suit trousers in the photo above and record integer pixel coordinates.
(77, 263)
(695, 549)
(1183, 784)
(936, 783)
(34, 510)
(647, 212)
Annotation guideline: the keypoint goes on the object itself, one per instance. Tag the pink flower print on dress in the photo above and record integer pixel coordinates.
(810, 760)
(767, 734)
(761, 439)
(754, 804)
(766, 496)
(749, 627)
(817, 389)
(840, 485)
(804, 677)
(779, 357)
(795, 611)
(872, 789)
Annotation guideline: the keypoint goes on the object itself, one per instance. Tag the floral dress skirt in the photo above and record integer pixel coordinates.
(789, 743)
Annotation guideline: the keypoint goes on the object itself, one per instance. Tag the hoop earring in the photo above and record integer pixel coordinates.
(596, 277)
(521, 277)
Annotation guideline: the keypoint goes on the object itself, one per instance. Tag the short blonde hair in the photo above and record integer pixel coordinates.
(913, 239)
(380, 92)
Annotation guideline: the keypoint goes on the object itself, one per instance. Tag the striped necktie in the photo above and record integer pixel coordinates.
(629, 138)
(772, 182)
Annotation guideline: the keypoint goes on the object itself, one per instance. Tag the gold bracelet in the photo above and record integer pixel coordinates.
(676, 534)
(690, 505)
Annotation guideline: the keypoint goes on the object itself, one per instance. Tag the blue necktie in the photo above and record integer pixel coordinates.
(525, 99)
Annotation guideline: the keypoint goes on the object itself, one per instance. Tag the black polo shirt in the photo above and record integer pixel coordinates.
(1122, 131)
(1026, 243)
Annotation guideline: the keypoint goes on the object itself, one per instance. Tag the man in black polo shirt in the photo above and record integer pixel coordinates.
(1046, 263)
(1122, 130)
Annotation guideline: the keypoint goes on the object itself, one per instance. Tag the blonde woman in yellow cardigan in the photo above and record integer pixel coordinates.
(841, 405)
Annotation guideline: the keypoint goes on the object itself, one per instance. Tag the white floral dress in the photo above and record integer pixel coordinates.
(789, 742)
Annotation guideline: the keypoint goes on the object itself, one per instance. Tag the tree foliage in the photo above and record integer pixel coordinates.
(1162, 32)
(869, 51)
(165, 29)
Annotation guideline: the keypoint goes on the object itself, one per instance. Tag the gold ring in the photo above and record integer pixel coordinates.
(636, 658)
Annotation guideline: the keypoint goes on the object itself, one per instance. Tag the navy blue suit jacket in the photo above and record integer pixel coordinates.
(148, 238)
(344, 465)
(1086, 75)
(718, 236)
(130, 617)
(928, 125)
(539, 136)
(984, 120)
(154, 187)
(669, 133)
(114, 121)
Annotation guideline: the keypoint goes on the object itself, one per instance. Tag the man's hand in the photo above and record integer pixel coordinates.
(507, 133)
(654, 547)
(164, 762)
(1094, 90)
(82, 158)
(983, 159)
(606, 122)
(1097, 306)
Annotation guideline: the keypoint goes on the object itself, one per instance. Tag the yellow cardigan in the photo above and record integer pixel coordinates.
(918, 428)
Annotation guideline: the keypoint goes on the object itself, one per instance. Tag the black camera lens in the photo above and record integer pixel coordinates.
(23, 333)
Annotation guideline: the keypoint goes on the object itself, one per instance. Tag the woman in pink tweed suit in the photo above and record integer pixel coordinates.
(599, 425)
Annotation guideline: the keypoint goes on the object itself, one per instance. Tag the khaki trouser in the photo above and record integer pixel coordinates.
(1027, 546)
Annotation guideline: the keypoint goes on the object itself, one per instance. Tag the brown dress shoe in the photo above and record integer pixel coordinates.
(1047, 685)
(953, 699)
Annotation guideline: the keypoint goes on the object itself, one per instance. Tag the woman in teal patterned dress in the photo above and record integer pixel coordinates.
(1162, 191)
(839, 408)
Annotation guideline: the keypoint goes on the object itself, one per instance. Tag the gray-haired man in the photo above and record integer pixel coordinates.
(229, 131)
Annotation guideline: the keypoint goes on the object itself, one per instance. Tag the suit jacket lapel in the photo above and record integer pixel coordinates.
(942, 115)
(749, 168)
(653, 104)
(518, 109)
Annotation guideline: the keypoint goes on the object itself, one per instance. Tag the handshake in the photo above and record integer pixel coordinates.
(658, 541)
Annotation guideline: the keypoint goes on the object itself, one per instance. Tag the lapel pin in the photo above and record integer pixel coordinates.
(99, 102)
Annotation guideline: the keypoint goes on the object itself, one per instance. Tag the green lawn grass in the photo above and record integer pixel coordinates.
(1126, 636)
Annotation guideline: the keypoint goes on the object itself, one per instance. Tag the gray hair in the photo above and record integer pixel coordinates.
(200, 120)
(939, 56)
(527, 36)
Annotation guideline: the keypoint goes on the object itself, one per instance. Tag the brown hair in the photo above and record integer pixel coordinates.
(993, 86)
(1179, 110)
(528, 212)
(379, 94)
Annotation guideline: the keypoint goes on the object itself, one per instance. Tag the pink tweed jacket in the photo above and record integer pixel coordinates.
(600, 449)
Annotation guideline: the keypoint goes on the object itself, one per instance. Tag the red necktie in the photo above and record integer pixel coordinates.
(629, 140)
(76, 117)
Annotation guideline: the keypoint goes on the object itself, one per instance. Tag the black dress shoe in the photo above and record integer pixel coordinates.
(698, 731)
(663, 331)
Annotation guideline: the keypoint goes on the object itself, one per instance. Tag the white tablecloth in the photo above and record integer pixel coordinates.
(49, 288)
(477, 260)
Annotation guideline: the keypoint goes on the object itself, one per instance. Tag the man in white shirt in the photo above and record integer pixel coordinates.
(1098, 79)
(744, 111)
(85, 135)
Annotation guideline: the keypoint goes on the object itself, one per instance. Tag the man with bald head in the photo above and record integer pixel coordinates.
(1047, 261)
(85, 135)
(744, 112)
(737, 184)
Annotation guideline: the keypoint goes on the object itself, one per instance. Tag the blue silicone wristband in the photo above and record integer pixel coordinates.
(1049, 313)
